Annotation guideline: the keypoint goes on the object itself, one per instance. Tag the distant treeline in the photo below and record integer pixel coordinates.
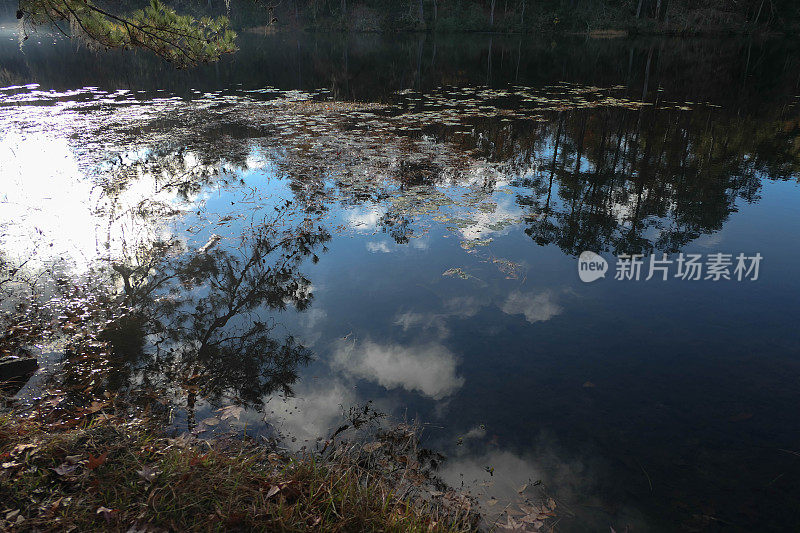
(635, 16)
(525, 16)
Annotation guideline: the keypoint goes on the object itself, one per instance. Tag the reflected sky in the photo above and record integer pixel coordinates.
(428, 263)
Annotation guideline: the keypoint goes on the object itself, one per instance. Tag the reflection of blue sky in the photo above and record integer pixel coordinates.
(511, 354)
(608, 371)
(526, 350)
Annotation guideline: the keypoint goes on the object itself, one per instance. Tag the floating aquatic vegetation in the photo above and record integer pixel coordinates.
(460, 273)
(472, 244)
(511, 269)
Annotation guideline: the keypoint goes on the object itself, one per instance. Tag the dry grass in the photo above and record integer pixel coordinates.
(106, 475)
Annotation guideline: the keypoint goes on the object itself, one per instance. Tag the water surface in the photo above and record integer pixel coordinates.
(323, 221)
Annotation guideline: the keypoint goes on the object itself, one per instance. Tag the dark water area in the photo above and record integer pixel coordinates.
(321, 221)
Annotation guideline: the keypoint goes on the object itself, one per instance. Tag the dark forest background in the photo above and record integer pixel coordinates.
(525, 16)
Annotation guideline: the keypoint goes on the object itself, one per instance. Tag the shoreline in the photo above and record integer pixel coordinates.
(606, 33)
(95, 469)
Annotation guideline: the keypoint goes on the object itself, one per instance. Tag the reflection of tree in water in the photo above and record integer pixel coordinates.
(615, 177)
(198, 319)
(618, 176)
(637, 181)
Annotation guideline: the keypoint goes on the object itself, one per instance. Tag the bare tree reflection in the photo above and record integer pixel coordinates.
(202, 321)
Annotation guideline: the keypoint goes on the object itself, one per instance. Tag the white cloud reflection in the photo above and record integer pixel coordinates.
(316, 408)
(381, 246)
(537, 307)
(430, 369)
(365, 219)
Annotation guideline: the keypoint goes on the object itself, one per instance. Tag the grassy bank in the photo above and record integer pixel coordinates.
(105, 474)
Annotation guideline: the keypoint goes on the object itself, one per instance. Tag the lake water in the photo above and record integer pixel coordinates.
(322, 221)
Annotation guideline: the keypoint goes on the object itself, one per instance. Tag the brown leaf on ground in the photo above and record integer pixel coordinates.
(96, 406)
(95, 462)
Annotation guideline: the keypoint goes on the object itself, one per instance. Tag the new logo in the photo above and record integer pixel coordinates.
(591, 267)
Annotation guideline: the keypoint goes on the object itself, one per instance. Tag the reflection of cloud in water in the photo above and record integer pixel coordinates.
(463, 306)
(420, 244)
(489, 222)
(710, 241)
(460, 307)
(315, 409)
(429, 369)
(575, 483)
(365, 219)
(511, 471)
(386, 247)
(311, 320)
(536, 307)
(478, 432)
(424, 321)
(43, 191)
(382, 247)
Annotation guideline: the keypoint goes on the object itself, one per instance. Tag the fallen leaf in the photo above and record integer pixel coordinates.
(230, 411)
(182, 441)
(106, 513)
(148, 473)
(531, 518)
(272, 491)
(19, 448)
(55, 504)
(95, 462)
(96, 406)
(54, 401)
(372, 446)
(65, 469)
